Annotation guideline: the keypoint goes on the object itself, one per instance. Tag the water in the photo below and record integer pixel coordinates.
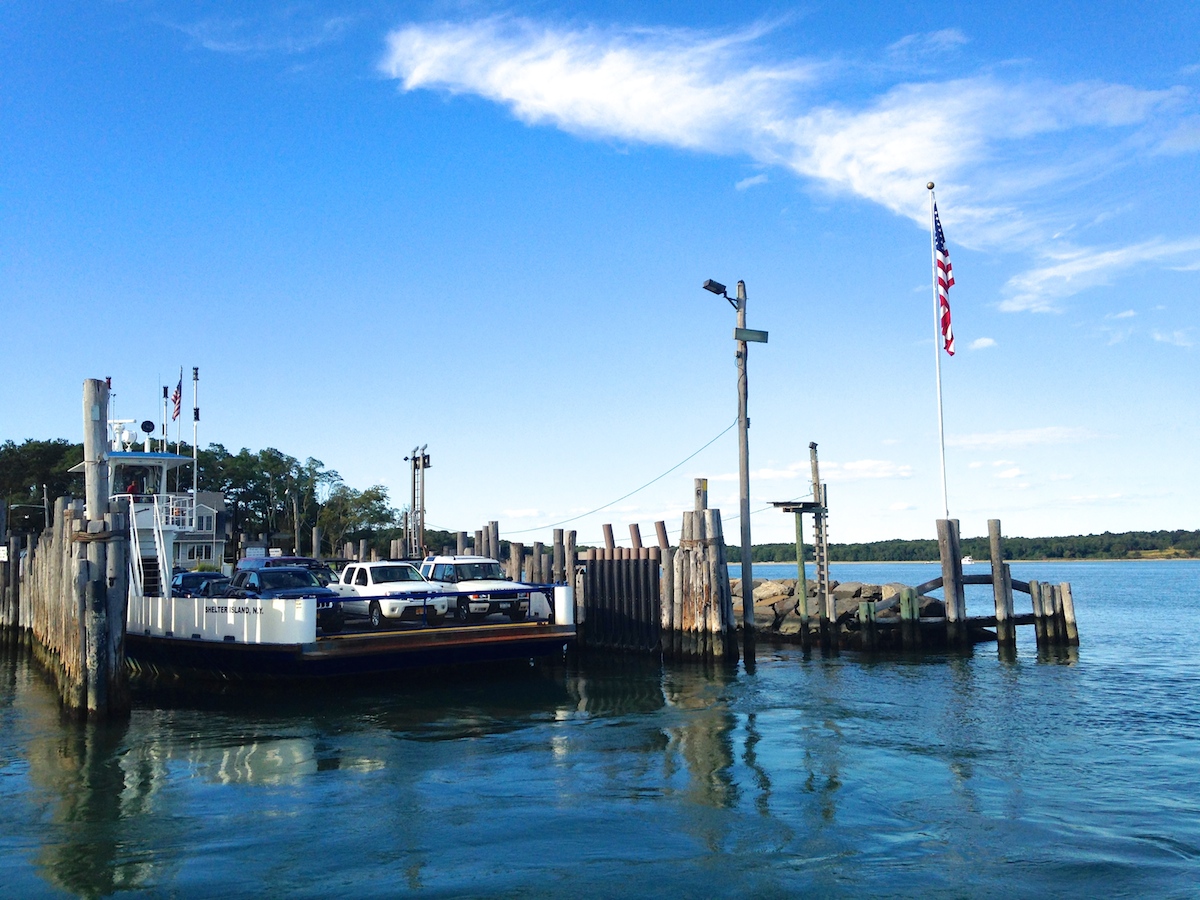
(945, 776)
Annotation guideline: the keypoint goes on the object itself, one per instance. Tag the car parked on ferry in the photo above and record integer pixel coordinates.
(384, 591)
(286, 583)
(483, 589)
(197, 584)
(319, 568)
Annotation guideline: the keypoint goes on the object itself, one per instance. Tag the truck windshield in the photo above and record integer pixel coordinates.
(388, 574)
(488, 571)
(280, 580)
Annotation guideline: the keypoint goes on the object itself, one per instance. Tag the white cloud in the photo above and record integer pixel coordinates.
(975, 465)
(1177, 338)
(717, 93)
(286, 31)
(856, 470)
(981, 343)
(1128, 314)
(920, 46)
(521, 513)
(1021, 437)
(1072, 271)
(761, 178)
(902, 507)
(1010, 473)
(864, 469)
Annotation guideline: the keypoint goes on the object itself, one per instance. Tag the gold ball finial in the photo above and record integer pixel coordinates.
(930, 185)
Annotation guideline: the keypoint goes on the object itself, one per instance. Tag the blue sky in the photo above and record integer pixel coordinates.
(483, 227)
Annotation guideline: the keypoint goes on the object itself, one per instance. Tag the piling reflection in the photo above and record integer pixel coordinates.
(77, 770)
(704, 739)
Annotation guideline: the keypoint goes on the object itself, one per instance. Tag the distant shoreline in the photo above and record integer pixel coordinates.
(980, 562)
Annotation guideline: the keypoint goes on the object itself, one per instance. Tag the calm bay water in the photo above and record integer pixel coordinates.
(966, 775)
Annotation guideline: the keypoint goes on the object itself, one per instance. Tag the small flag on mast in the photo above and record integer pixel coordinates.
(945, 279)
(177, 398)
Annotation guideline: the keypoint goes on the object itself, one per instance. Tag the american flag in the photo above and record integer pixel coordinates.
(177, 397)
(945, 279)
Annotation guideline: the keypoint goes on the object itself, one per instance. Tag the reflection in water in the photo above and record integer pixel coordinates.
(76, 769)
(949, 775)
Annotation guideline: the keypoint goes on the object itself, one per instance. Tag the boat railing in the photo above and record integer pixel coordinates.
(160, 549)
(137, 573)
(171, 510)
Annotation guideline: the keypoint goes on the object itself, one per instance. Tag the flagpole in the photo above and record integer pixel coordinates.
(937, 351)
(195, 425)
(178, 428)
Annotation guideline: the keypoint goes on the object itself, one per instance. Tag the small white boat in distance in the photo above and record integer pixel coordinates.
(967, 561)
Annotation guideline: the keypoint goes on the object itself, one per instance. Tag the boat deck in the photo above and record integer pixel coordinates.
(352, 652)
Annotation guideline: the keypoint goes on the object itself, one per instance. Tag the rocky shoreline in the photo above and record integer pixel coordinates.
(776, 604)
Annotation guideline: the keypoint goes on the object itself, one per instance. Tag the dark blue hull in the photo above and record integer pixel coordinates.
(348, 654)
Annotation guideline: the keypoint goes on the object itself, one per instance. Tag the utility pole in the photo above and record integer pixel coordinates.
(742, 335)
(744, 464)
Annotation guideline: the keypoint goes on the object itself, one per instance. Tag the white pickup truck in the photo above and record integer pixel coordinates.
(483, 589)
(390, 590)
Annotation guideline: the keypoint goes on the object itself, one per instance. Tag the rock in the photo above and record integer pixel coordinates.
(771, 590)
(931, 607)
(848, 590)
(872, 592)
(892, 589)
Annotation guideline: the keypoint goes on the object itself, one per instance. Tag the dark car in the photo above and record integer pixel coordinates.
(198, 584)
(288, 582)
(324, 573)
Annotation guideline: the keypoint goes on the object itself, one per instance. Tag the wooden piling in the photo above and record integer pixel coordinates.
(664, 543)
(461, 549)
(516, 556)
(1070, 628)
(910, 619)
(1039, 616)
(635, 536)
(538, 575)
(558, 565)
(494, 540)
(609, 543)
(950, 551)
(802, 584)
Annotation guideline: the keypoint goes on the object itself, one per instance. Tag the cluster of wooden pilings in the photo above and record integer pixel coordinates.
(619, 595)
(69, 594)
(1052, 616)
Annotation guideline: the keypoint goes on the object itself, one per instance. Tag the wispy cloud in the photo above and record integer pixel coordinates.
(1021, 437)
(855, 470)
(1009, 473)
(685, 89)
(287, 31)
(982, 343)
(1179, 338)
(760, 178)
(1070, 272)
(1128, 314)
(985, 138)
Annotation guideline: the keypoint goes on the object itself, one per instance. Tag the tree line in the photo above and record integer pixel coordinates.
(1109, 545)
(266, 492)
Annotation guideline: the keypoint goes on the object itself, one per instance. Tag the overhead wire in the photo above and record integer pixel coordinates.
(631, 493)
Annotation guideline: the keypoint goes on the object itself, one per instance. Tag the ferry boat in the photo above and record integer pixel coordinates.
(267, 637)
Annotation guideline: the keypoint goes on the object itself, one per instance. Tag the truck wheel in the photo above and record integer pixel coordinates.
(516, 616)
(375, 614)
(462, 612)
(433, 619)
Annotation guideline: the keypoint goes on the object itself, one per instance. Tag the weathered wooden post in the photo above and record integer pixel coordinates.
(866, 622)
(539, 577)
(609, 542)
(910, 619)
(516, 556)
(802, 583)
(1006, 632)
(558, 569)
(494, 540)
(362, 550)
(952, 587)
(1068, 606)
(1039, 615)
(635, 536)
(461, 548)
